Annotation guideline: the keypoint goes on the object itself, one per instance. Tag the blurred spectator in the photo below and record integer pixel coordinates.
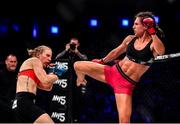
(72, 51)
(8, 87)
(73, 54)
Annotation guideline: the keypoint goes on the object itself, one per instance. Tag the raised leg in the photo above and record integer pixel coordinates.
(89, 68)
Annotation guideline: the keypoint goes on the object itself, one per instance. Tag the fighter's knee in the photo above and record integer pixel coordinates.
(76, 65)
(124, 119)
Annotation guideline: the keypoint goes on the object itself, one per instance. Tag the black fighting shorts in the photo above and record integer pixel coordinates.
(25, 109)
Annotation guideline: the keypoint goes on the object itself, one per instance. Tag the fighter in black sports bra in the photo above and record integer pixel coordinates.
(139, 56)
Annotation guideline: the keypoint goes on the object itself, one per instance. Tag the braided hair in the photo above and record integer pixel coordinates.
(37, 51)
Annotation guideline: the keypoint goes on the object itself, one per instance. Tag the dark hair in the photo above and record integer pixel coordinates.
(74, 38)
(148, 14)
(11, 54)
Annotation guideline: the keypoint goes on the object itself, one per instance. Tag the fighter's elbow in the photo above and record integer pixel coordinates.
(161, 51)
(45, 86)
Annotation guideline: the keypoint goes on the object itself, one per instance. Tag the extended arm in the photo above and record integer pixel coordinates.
(118, 50)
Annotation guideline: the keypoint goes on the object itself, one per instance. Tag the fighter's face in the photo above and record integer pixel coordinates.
(138, 27)
(45, 57)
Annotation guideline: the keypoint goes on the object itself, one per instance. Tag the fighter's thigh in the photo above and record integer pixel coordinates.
(44, 118)
(124, 104)
(88, 67)
(91, 69)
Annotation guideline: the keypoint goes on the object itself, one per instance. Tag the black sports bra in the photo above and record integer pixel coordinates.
(139, 56)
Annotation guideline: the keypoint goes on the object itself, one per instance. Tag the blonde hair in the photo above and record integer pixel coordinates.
(37, 51)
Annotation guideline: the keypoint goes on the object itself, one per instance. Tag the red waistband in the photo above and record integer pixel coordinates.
(30, 73)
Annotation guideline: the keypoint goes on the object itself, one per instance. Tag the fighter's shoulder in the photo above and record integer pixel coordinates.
(33, 60)
(28, 64)
(129, 38)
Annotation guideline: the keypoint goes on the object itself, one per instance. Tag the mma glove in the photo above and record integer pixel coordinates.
(149, 23)
(57, 70)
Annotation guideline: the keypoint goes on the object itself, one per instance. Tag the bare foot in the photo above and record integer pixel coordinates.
(81, 82)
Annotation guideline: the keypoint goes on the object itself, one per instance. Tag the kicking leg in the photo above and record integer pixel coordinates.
(89, 68)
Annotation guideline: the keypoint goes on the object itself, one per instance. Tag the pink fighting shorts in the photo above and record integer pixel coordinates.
(120, 82)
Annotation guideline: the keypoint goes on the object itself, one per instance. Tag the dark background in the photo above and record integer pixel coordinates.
(156, 99)
(72, 16)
